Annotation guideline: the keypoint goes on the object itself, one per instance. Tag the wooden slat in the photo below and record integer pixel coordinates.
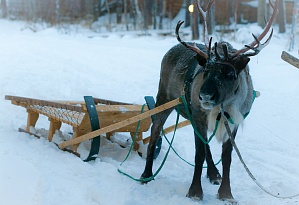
(118, 108)
(290, 59)
(109, 102)
(69, 102)
(170, 129)
(96, 101)
(120, 124)
(32, 101)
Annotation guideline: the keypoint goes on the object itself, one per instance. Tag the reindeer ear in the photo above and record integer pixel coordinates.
(240, 63)
(201, 60)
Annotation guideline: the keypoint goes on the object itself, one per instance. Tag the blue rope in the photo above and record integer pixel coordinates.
(163, 162)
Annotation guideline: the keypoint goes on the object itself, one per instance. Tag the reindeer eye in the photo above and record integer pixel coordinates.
(231, 73)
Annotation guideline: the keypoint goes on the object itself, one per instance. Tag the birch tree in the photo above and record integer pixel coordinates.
(261, 13)
(281, 17)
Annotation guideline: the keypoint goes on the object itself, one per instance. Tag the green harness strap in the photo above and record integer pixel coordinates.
(170, 143)
(164, 160)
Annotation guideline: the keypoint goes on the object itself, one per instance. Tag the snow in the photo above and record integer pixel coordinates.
(50, 65)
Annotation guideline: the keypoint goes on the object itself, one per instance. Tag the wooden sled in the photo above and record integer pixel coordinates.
(112, 116)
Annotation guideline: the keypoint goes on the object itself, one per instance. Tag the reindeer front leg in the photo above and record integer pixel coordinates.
(195, 190)
(212, 172)
(224, 191)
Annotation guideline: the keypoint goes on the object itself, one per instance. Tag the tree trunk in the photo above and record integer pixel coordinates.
(187, 15)
(145, 15)
(57, 12)
(126, 14)
(281, 18)
(195, 29)
(46, 11)
(211, 20)
(163, 10)
(4, 8)
(230, 11)
(155, 12)
(96, 9)
(119, 9)
(133, 12)
(83, 8)
(147, 12)
(109, 14)
(236, 7)
(261, 13)
(160, 12)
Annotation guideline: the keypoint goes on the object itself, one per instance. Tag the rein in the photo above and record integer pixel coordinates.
(232, 139)
(231, 135)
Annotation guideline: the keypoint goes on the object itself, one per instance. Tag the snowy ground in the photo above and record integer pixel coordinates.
(51, 66)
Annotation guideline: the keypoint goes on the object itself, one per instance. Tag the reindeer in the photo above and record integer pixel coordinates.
(214, 79)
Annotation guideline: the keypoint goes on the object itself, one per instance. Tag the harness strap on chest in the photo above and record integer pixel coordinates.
(189, 77)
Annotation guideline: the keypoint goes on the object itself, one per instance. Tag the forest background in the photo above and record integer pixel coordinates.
(142, 15)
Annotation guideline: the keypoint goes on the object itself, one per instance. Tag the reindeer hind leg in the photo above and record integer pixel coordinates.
(156, 129)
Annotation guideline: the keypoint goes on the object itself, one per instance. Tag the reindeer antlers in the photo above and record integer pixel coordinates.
(193, 48)
(206, 38)
(256, 45)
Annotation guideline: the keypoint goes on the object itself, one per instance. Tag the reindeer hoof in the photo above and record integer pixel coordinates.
(226, 195)
(144, 179)
(195, 194)
(215, 179)
(195, 198)
(230, 201)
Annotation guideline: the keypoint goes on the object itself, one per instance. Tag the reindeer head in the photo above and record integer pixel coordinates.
(222, 64)
(220, 75)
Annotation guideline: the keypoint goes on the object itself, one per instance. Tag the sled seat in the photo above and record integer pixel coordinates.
(75, 114)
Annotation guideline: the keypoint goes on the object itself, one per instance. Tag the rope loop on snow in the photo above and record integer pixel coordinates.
(165, 157)
(169, 142)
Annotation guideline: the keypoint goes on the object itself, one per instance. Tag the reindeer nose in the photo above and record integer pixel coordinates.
(206, 97)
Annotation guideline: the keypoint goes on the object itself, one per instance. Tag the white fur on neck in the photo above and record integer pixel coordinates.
(235, 115)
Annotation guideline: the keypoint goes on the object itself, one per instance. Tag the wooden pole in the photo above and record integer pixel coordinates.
(121, 124)
(290, 59)
(169, 129)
